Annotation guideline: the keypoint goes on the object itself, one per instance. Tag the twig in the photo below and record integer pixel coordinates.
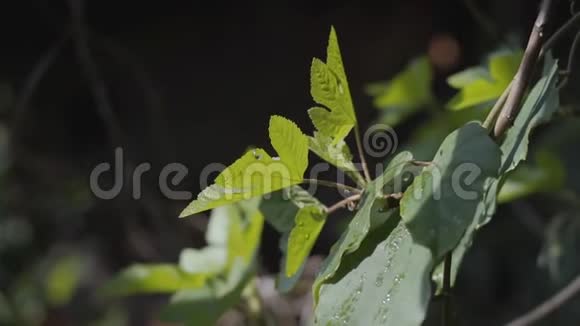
(570, 63)
(524, 74)
(559, 33)
(361, 154)
(343, 203)
(447, 299)
(484, 21)
(496, 109)
(22, 104)
(100, 92)
(548, 306)
(332, 184)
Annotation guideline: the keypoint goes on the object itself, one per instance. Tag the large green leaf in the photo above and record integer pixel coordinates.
(360, 224)
(442, 201)
(478, 85)
(329, 87)
(389, 287)
(538, 107)
(299, 217)
(335, 153)
(405, 93)
(256, 173)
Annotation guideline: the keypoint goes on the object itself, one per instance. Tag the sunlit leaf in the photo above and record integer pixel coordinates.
(335, 153)
(329, 88)
(547, 174)
(285, 210)
(478, 85)
(63, 279)
(308, 224)
(405, 93)
(256, 173)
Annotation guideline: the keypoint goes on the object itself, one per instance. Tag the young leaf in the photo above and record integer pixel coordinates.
(405, 93)
(479, 87)
(329, 87)
(256, 173)
(360, 224)
(442, 201)
(290, 144)
(546, 175)
(389, 287)
(299, 217)
(308, 224)
(335, 153)
(158, 278)
(203, 306)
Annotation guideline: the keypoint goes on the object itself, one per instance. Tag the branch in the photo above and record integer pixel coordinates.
(548, 306)
(343, 203)
(332, 184)
(361, 154)
(97, 85)
(446, 292)
(524, 74)
(496, 109)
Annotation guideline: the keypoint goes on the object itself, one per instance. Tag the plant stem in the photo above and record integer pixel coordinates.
(446, 312)
(524, 74)
(361, 154)
(559, 33)
(332, 184)
(496, 109)
(548, 306)
(343, 203)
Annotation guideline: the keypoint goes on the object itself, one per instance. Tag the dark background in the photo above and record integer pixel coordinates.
(195, 83)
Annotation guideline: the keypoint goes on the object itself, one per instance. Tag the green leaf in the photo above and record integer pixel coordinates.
(290, 144)
(285, 210)
(210, 260)
(256, 173)
(405, 93)
(360, 224)
(335, 153)
(545, 176)
(154, 278)
(538, 107)
(308, 224)
(63, 279)
(442, 201)
(203, 306)
(478, 86)
(206, 305)
(389, 287)
(329, 87)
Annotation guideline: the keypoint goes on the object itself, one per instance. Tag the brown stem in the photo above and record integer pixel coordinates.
(524, 74)
(548, 306)
(343, 203)
(332, 184)
(361, 154)
(446, 309)
(496, 109)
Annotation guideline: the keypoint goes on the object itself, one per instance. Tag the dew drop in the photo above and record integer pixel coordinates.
(307, 236)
